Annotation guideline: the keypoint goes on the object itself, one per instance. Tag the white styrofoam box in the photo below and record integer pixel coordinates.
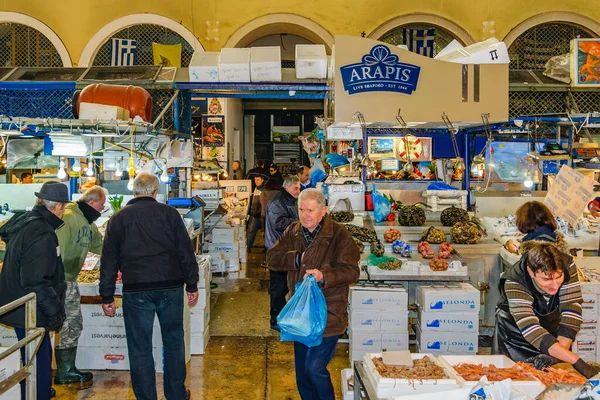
(231, 255)
(102, 112)
(159, 351)
(356, 355)
(347, 390)
(205, 275)
(232, 265)
(200, 318)
(388, 387)
(589, 305)
(13, 393)
(365, 341)
(204, 67)
(378, 298)
(9, 365)
(589, 326)
(234, 65)
(448, 297)
(8, 337)
(218, 266)
(449, 321)
(103, 336)
(203, 298)
(217, 256)
(118, 289)
(222, 235)
(101, 358)
(89, 289)
(93, 315)
(585, 344)
(220, 247)
(590, 287)
(199, 342)
(447, 342)
(265, 64)
(531, 388)
(394, 341)
(385, 321)
(311, 61)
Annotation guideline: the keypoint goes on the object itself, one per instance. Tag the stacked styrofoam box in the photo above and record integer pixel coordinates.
(448, 318)
(204, 67)
(378, 319)
(103, 340)
(585, 344)
(8, 367)
(234, 65)
(265, 64)
(200, 314)
(439, 200)
(225, 254)
(311, 61)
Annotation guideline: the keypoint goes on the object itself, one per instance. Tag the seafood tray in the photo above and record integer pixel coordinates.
(389, 387)
(558, 391)
(417, 265)
(531, 387)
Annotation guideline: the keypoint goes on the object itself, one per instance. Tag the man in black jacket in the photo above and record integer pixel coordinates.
(147, 241)
(282, 210)
(32, 263)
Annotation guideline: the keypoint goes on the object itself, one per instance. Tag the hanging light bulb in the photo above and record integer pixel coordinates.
(528, 183)
(76, 166)
(130, 183)
(90, 168)
(119, 171)
(164, 177)
(459, 164)
(225, 174)
(408, 168)
(62, 174)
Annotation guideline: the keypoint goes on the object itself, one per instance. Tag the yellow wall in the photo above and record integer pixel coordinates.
(76, 21)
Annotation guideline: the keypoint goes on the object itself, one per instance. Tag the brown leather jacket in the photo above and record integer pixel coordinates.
(334, 253)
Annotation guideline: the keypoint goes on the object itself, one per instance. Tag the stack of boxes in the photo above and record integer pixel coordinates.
(448, 319)
(8, 367)
(585, 344)
(227, 245)
(378, 319)
(200, 314)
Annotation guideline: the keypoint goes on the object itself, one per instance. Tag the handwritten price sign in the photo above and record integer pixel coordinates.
(569, 194)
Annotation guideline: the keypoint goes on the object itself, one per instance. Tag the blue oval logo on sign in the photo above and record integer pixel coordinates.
(380, 71)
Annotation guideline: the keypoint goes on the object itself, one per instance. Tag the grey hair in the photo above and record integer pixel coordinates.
(145, 184)
(94, 193)
(312, 194)
(290, 180)
(50, 205)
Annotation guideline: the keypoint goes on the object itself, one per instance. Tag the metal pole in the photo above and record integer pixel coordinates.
(164, 110)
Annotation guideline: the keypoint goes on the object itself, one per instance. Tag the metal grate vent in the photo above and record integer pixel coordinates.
(23, 46)
(145, 35)
(534, 47)
(442, 36)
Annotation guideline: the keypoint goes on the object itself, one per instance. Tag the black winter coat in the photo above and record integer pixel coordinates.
(282, 210)
(147, 241)
(33, 264)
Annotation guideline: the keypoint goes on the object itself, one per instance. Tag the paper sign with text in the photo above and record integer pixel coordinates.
(569, 194)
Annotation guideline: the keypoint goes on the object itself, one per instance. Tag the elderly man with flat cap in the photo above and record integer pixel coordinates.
(32, 263)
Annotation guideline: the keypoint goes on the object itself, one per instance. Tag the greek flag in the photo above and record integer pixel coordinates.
(419, 41)
(122, 52)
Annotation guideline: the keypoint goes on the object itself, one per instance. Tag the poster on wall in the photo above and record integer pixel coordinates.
(209, 153)
(286, 134)
(569, 194)
(213, 137)
(585, 62)
(214, 107)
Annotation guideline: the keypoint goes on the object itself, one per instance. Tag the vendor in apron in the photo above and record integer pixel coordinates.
(539, 313)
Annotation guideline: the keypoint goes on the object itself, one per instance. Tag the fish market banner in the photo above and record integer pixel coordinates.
(380, 71)
(377, 79)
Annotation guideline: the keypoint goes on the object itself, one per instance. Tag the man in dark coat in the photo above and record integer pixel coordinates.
(281, 212)
(318, 246)
(33, 264)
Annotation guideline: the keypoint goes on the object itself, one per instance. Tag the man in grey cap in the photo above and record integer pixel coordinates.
(32, 263)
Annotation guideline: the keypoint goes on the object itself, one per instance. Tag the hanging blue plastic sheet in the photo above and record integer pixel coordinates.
(440, 186)
(381, 206)
(304, 317)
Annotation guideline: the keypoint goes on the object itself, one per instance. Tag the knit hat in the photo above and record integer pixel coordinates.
(54, 191)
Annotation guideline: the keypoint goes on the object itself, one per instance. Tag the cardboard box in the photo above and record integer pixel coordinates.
(378, 298)
(89, 289)
(449, 297)
(102, 358)
(200, 319)
(449, 322)
(384, 321)
(585, 344)
(394, 341)
(102, 113)
(199, 342)
(589, 305)
(311, 61)
(234, 65)
(204, 67)
(589, 327)
(447, 342)
(265, 64)
(103, 336)
(221, 247)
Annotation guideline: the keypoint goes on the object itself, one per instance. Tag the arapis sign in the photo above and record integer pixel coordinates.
(380, 71)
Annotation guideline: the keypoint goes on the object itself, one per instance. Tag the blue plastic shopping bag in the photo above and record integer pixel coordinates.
(381, 206)
(304, 317)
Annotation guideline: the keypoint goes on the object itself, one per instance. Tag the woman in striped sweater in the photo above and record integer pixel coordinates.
(539, 314)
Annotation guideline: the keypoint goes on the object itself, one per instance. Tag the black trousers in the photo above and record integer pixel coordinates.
(278, 290)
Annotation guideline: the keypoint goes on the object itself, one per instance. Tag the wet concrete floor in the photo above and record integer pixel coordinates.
(244, 358)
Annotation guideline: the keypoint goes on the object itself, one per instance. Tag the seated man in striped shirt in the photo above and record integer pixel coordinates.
(539, 313)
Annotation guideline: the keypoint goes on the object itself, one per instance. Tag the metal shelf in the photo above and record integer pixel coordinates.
(540, 157)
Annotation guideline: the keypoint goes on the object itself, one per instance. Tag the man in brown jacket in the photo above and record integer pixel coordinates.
(318, 246)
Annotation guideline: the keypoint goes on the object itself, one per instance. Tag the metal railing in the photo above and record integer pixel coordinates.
(31, 343)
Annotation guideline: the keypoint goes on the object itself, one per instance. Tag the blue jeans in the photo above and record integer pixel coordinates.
(312, 377)
(139, 309)
(255, 225)
(43, 366)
